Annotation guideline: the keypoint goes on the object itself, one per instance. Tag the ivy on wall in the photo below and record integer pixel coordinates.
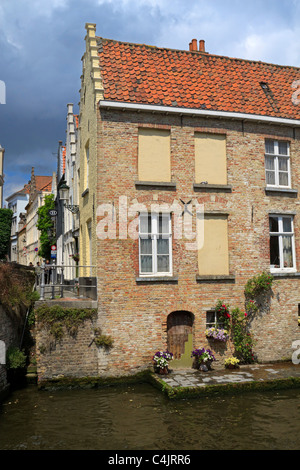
(5, 229)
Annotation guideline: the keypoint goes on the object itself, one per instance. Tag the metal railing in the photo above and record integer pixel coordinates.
(54, 280)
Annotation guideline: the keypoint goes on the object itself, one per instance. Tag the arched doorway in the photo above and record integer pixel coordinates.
(180, 338)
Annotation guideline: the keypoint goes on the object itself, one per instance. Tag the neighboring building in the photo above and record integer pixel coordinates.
(1, 175)
(17, 203)
(68, 209)
(189, 130)
(21, 240)
(40, 186)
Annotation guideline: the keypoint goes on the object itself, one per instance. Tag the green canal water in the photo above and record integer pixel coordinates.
(140, 417)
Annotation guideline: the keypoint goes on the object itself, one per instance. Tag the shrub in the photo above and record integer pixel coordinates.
(15, 359)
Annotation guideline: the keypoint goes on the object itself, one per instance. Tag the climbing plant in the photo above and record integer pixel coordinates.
(241, 336)
(44, 224)
(5, 229)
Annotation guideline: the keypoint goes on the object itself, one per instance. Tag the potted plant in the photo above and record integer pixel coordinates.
(203, 359)
(217, 334)
(161, 361)
(232, 363)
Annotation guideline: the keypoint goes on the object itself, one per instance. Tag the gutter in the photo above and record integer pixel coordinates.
(197, 112)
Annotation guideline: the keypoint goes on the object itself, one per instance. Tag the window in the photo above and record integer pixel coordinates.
(213, 319)
(210, 158)
(213, 258)
(282, 249)
(155, 244)
(154, 155)
(87, 162)
(277, 160)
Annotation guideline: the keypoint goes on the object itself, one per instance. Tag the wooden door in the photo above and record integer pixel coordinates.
(179, 326)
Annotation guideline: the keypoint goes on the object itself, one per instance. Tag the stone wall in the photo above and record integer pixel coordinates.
(74, 354)
(10, 333)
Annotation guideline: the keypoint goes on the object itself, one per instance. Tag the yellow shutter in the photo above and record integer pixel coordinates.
(210, 158)
(213, 257)
(154, 155)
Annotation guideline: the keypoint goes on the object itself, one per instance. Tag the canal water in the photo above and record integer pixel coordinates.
(140, 417)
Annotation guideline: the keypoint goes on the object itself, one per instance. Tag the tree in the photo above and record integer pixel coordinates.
(5, 230)
(45, 225)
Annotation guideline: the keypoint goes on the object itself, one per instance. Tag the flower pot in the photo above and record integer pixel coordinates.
(163, 371)
(205, 366)
(232, 366)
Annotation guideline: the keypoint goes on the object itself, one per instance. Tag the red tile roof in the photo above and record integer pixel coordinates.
(137, 73)
(43, 183)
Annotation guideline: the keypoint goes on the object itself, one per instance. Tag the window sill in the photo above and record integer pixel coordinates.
(158, 279)
(281, 191)
(85, 192)
(168, 186)
(212, 188)
(281, 274)
(216, 278)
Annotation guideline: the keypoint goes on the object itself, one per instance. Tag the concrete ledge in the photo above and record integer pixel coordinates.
(225, 278)
(72, 303)
(157, 279)
(168, 186)
(212, 188)
(281, 192)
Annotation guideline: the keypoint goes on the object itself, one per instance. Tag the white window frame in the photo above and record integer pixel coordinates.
(154, 237)
(281, 234)
(276, 156)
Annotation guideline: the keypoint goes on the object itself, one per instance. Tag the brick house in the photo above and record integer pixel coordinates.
(194, 132)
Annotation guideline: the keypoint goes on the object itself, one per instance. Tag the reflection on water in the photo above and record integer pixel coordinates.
(141, 418)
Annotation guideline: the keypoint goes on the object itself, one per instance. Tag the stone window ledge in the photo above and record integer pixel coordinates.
(285, 275)
(218, 279)
(281, 191)
(158, 279)
(218, 188)
(85, 192)
(168, 186)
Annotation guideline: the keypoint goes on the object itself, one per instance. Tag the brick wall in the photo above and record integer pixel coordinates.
(135, 314)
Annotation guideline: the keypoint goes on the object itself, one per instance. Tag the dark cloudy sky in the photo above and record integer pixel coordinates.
(42, 42)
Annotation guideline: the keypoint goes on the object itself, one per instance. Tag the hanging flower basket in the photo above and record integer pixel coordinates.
(217, 334)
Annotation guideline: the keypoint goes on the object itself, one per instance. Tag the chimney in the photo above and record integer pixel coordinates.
(201, 45)
(193, 46)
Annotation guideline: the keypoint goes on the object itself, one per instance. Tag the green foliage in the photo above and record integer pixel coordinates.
(5, 229)
(15, 359)
(56, 318)
(102, 340)
(241, 337)
(44, 224)
(257, 285)
(16, 286)
(223, 314)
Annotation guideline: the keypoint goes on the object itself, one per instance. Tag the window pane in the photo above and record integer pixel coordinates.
(287, 252)
(283, 148)
(274, 251)
(163, 223)
(274, 224)
(210, 318)
(163, 264)
(283, 164)
(146, 246)
(145, 223)
(163, 246)
(270, 177)
(287, 224)
(283, 179)
(270, 163)
(270, 146)
(146, 264)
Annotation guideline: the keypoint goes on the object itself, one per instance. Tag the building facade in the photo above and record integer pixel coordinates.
(68, 209)
(40, 186)
(189, 187)
(17, 202)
